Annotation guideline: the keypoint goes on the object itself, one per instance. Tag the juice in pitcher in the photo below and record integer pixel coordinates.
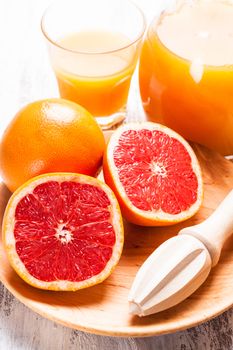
(186, 72)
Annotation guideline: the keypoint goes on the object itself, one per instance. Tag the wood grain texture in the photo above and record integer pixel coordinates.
(25, 76)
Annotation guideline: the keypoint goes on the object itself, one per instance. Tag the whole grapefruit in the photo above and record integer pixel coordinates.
(48, 136)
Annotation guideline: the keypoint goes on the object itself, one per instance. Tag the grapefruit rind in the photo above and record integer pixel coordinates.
(63, 136)
(9, 239)
(131, 212)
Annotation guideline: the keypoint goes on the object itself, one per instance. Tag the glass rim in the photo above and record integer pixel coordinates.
(55, 43)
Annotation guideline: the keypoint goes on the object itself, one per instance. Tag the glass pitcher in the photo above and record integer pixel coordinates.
(186, 72)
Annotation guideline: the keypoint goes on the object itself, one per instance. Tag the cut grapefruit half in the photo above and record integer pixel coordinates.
(63, 231)
(154, 173)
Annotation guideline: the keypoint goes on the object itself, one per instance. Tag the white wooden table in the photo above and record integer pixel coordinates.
(25, 75)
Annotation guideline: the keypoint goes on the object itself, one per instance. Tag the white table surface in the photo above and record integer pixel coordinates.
(25, 75)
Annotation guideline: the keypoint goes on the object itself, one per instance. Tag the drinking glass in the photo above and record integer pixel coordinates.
(93, 47)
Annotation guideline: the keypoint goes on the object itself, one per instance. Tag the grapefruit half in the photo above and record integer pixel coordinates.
(63, 231)
(154, 173)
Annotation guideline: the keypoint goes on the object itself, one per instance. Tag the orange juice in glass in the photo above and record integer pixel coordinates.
(93, 46)
(186, 72)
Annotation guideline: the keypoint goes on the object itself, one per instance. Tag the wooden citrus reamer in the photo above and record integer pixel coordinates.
(181, 264)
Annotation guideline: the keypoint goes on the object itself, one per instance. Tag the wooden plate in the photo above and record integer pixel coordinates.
(103, 309)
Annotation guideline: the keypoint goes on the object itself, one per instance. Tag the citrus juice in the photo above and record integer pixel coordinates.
(186, 72)
(95, 70)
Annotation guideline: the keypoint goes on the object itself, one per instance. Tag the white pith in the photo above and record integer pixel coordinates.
(158, 169)
(9, 239)
(64, 236)
(155, 214)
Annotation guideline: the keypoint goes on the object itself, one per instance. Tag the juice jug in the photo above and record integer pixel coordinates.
(186, 72)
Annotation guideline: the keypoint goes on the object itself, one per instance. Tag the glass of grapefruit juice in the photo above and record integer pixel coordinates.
(93, 47)
(186, 72)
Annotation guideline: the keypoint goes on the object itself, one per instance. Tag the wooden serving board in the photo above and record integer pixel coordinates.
(103, 309)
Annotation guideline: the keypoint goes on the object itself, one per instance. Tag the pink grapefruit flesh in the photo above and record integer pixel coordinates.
(63, 231)
(154, 173)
